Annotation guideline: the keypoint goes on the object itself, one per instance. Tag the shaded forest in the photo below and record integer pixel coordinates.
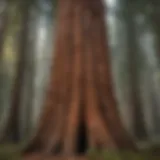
(35, 35)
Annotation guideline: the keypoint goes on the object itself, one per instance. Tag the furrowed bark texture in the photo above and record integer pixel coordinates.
(80, 104)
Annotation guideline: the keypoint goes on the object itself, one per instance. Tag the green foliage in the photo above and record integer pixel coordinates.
(9, 152)
(13, 152)
(94, 154)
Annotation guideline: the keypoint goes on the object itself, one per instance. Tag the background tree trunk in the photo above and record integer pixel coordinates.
(133, 48)
(12, 126)
(38, 63)
(3, 23)
(9, 60)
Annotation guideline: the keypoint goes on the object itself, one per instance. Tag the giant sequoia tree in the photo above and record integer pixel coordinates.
(80, 109)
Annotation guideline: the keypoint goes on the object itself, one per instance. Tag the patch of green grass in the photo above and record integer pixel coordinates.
(9, 152)
(148, 154)
(13, 152)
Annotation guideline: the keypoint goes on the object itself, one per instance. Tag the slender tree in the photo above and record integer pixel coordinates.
(134, 64)
(80, 104)
(12, 125)
(3, 21)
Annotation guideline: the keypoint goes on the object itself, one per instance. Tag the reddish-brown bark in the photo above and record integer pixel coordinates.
(80, 91)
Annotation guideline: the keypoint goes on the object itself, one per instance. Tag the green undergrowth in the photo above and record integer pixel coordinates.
(10, 152)
(13, 152)
(147, 154)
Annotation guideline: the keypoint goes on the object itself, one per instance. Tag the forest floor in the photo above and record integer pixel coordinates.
(13, 152)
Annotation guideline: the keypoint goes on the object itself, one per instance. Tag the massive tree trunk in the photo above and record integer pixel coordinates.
(80, 104)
